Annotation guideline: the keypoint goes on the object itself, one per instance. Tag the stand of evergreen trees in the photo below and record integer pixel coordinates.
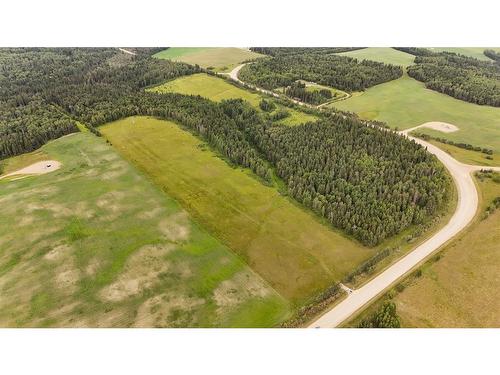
(297, 90)
(369, 182)
(492, 54)
(281, 51)
(461, 77)
(35, 83)
(332, 70)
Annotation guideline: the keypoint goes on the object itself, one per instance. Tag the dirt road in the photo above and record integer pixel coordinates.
(127, 51)
(465, 211)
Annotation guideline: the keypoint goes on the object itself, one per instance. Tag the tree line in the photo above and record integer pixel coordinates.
(281, 51)
(36, 83)
(341, 72)
(494, 55)
(461, 77)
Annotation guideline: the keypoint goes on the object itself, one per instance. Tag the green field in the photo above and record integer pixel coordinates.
(286, 245)
(405, 103)
(461, 289)
(476, 52)
(218, 89)
(96, 244)
(382, 54)
(468, 156)
(218, 58)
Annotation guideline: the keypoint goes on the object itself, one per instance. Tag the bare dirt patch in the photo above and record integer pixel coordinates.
(155, 311)
(440, 126)
(176, 227)
(241, 286)
(140, 273)
(58, 252)
(41, 167)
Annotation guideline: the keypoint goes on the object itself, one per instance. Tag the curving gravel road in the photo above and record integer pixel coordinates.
(465, 211)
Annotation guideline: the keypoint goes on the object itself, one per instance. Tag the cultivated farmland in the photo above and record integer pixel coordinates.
(95, 244)
(286, 245)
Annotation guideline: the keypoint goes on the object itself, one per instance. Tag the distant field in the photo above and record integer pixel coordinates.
(382, 54)
(221, 59)
(405, 103)
(96, 244)
(476, 52)
(218, 89)
(461, 289)
(283, 243)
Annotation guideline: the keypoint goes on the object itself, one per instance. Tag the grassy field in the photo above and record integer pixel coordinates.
(476, 52)
(286, 245)
(218, 58)
(217, 89)
(461, 289)
(405, 103)
(382, 54)
(468, 156)
(96, 244)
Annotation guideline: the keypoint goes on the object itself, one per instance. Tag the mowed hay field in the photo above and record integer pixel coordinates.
(405, 103)
(96, 244)
(460, 289)
(286, 245)
(382, 54)
(218, 89)
(218, 58)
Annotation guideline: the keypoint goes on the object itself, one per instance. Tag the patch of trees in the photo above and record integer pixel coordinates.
(341, 72)
(37, 86)
(494, 55)
(281, 51)
(297, 90)
(415, 51)
(370, 183)
(385, 317)
(461, 77)
(267, 105)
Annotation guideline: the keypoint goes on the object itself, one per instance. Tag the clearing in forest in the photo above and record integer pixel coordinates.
(218, 89)
(220, 59)
(287, 245)
(96, 244)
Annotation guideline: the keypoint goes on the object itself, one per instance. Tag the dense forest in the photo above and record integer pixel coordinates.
(281, 51)
(37, 83)
(341, 72)
(369, 182)
(462, 77)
